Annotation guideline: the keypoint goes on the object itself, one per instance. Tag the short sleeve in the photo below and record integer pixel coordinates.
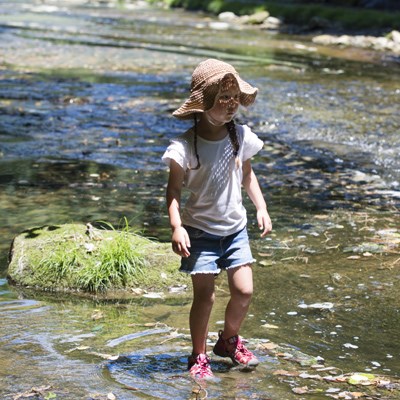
(177, 151)
(251, 143)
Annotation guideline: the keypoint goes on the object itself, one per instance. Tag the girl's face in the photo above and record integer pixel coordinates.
(226, 103)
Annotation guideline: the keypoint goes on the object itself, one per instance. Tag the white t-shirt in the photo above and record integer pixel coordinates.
(215, 201)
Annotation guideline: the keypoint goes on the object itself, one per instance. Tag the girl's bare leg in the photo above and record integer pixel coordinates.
(203, 301)
(241, 288)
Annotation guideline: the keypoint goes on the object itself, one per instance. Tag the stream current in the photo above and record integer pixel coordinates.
(86, 95)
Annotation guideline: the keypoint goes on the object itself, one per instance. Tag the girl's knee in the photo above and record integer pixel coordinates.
(241, 283)
(246, 293)
(203, 287)
(242, 295)
(205, 296)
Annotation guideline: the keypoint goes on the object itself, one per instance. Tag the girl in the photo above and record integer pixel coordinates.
(212, 161)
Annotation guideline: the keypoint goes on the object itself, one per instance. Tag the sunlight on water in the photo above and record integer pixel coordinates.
(86, 95)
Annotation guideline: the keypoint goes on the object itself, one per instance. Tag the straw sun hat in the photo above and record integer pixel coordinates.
(206, 80)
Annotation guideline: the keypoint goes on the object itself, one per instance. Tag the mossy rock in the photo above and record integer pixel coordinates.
(83, 259)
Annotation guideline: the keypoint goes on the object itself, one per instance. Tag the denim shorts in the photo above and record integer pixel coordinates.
(209, 254)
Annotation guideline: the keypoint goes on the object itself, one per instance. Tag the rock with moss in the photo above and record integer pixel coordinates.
(81, 258)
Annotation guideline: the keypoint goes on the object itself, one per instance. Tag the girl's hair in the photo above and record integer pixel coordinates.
(231, 127)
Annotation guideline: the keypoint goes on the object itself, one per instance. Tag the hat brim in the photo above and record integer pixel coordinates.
(196, 103)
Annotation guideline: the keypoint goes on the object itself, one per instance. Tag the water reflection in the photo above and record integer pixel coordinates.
(160, 375)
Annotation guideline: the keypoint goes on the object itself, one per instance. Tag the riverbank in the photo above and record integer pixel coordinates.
(374, 30)
(87, 93)
(304, 17)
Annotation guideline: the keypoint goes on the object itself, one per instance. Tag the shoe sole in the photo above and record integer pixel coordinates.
(250, 365)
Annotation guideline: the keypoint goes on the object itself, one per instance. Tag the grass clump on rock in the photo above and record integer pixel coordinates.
(77, 257)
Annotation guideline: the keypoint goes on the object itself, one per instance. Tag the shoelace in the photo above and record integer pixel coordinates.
(240, 348)
(202, 366)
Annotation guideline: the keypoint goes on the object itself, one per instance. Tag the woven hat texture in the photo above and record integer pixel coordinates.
(206, 80)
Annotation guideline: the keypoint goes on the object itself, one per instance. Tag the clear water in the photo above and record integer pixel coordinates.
(86, 94)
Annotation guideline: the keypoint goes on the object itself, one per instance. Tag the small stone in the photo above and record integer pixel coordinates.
(395, 36)
(219, 26)
(376, 364)
(350, 346)
(271, 23)
(227, 16)
(258, 18)
(153, 295)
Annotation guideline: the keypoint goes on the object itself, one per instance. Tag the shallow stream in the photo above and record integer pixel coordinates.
(86, 95)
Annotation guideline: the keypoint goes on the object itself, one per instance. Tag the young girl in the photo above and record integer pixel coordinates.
(212, 161)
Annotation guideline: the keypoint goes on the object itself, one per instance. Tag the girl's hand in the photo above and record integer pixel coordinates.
(264, 222)
(180, 242)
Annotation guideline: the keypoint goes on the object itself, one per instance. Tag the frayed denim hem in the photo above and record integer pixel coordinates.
(216, 272)
(241, 264)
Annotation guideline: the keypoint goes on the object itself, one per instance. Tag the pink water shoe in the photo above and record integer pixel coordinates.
(199, 366)
(235, 349)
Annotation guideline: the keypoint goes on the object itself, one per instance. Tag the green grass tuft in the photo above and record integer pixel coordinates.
(118, 263)
(73, 257)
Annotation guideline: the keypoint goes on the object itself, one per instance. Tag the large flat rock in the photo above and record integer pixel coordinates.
(81, 258)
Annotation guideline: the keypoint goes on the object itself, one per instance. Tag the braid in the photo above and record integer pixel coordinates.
(195, 143)
(231, 127)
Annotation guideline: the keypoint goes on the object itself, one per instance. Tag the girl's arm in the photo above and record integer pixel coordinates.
(180, 238)
(250, 183)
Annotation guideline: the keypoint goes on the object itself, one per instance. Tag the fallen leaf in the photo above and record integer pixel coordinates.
(333, 390)
(268, 346)
(266, 263)
(305, 375)
(283, 372)
(318, 306)
(357, 395)
(77, 348)
(338, 379)
(300, 390)
(105, 356)
(265, 254)
(351, 395)
(361, 379)
(270, 326)
(321, 368)
(97, 314)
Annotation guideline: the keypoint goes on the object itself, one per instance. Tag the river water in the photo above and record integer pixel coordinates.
(86, 95)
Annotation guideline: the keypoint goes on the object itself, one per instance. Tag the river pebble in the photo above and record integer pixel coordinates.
(350, 346)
